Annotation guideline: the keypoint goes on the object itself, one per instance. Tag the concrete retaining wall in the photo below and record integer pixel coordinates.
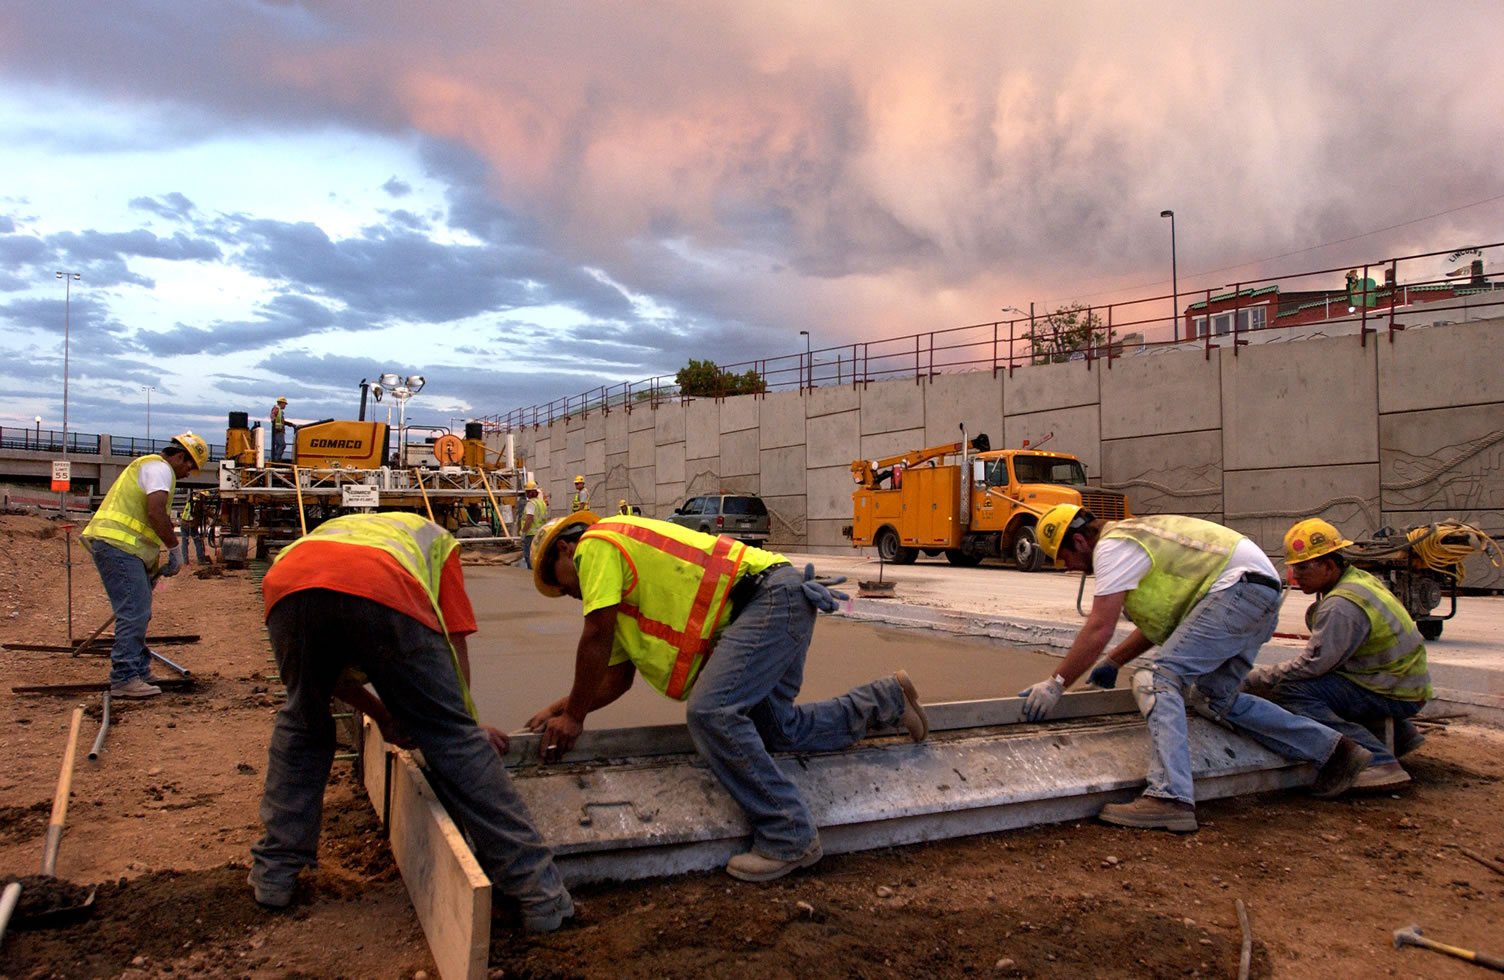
(1392, 433)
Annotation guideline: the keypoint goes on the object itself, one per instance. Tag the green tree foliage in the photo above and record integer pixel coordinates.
(704, 379)
(1068, 330)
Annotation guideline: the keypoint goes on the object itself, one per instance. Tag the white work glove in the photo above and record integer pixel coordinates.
(1042, 698)
(819, 591)
(174, 563)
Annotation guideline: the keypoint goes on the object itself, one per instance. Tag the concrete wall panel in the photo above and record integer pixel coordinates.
(750, 483)
(595, 427)
(1150, 396)
(702, 429)
(1046, 387)
(739, 452)
(783, 471)
(1075, 432)
(644, 490)
(889, 406)
(739, 413)
(828, 493)
(975, 398)
(640, 447)
(1441, 367)
(670, 425)
(670, 495)
(1264, 503)
(824, 536)
(885, 444)
(574, 442)
(702, 475)
(830, 401)
(618, 480)
(781, 419)
(1301, 404)
(595, 457)
(1446, 459)
(616, 431)
(834, 439)
(1167, 474)
(786, 521)
(641, 417)
(670, 463)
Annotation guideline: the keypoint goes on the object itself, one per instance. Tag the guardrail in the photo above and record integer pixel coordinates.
(36, 439)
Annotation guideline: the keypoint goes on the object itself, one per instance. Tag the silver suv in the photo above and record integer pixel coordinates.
(740, 516)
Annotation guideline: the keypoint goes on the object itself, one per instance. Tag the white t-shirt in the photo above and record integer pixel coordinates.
(1121, 564)
(155, 477)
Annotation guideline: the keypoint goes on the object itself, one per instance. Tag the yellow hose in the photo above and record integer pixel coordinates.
(1430, 546)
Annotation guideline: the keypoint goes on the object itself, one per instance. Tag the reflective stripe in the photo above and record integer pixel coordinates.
(121, 518)
(1186, 556)
(1391, 660)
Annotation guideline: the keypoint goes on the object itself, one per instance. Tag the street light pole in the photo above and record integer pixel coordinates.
(148, 389)
(39, 432)
(1174, 276)
(68, 278)
(809, 367)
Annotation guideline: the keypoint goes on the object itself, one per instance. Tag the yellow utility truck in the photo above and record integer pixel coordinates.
(967, 501)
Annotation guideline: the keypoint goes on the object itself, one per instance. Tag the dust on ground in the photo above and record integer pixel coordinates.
(163, 822)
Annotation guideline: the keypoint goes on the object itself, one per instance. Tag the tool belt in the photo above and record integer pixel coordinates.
(744, 591)
(1255, 578)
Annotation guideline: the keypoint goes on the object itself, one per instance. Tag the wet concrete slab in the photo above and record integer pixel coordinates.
(523, 658)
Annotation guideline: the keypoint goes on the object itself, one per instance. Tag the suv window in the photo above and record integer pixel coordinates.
(691, 506)
(712, 506)
(751, 506)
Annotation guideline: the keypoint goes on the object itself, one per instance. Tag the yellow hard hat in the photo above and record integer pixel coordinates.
(196, 448)
(282, 400)
(544, 539)
(530, 485)
(579, 479)
(621, 503)
(1050, 531)
(1312, 538)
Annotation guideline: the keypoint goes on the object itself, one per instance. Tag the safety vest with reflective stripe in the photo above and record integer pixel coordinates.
(420, 546)
(279, 419)
(187, 513)
(581, 500)
(1392, 660)
(675, 595)
(121, 519)
(1186, 554)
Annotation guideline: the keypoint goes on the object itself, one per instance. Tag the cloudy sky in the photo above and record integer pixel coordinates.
(524, 200)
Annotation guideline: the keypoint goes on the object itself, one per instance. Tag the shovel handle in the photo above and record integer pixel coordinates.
(8, 901)
(60, 798)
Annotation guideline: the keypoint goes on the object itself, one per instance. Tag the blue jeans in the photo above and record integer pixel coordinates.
(527, 551)
(279, 441)
(315, 634)
(198, 541)
(1338, 703)
(129, 588)
(742, 708)
(1213, 649)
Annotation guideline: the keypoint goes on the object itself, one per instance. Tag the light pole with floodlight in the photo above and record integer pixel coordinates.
(39, 431)
(401, 388)
(1174, 280)
(68, 278)
(148, 389)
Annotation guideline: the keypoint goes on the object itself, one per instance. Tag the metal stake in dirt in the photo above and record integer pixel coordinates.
(104, 729)
(1410, 936)
(68, 561)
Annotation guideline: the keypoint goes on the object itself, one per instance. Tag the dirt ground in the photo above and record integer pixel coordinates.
(163, 821)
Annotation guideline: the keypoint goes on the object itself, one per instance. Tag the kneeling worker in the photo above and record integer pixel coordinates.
(724, 627)
(1208, 598)
(1365, 660)
(381, 598)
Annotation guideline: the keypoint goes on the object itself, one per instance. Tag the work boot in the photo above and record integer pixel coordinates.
(134, 688)
(267, 895)
(1407, 738)
(1341, 769)
(914, 719)
(547, 916)
(754, 867)
(1151, 813)
(1382, 777)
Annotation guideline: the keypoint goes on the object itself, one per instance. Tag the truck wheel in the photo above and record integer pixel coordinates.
(906, 556)
(1026, 553)
(961, 559)
(887, 545)
(1429, 628)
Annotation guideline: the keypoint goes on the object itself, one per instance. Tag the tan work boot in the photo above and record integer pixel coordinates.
(1151, 813)
(1341, 769)
(755, 867)
(1382, 777)
(914, 719)
(135, 688)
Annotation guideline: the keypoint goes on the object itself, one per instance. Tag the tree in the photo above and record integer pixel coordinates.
(1064, 333)
(705, 379)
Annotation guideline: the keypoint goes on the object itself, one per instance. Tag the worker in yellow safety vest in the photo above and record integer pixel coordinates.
(1365, 660)
(724, 627)
(125, 537)
(1209, 599)
(581, 499)
(380, 599)
(191, 522)
(279, 429)
(534, 513)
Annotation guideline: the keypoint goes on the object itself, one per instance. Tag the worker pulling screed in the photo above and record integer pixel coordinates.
(581, 500)
(1208, 598)
(534, 513)
(724, 627)
(126, 537)
(1365, 660)
(380, 598)
(279, 429)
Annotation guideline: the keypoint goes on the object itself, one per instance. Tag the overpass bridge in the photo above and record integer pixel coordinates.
(28, 452)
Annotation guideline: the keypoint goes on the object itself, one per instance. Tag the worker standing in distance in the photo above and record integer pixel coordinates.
(534, 513)
(1208, 598)
(581, 499)
(724, 627)
(191, 520)
(380, 598)
(622, 510)
(1365, 660)
(126, 537)
(279, 429)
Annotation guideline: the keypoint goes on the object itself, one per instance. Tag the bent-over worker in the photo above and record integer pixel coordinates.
(1208, 598)
(724, 627)
(126, 537)
(1365, 660)
(380, 598)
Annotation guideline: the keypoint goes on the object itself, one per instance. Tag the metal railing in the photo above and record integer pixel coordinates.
(133, 447)
(36, 439)
(1317, 307)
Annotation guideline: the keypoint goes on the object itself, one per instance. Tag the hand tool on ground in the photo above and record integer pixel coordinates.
(1245, 954)
(1410, 936)
(8, 901)
(54, 839)
(92, 636)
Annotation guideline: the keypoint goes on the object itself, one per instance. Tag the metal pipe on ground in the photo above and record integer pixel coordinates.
(182, 671)
(104, 729)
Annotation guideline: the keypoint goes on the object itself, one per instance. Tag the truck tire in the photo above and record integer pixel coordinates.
(961, 559)
(1430, 629)
(887, 545)
(1026, 553)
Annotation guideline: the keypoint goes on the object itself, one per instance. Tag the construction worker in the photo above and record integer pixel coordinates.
(1208, 598)
(191, 520)
(279, 429)
(380, 598)
(659, 599)
(126, 537)
(1365, 660)
(622, 510)
(534, 513)
(581, 500)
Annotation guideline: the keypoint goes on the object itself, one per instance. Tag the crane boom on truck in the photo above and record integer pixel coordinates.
(968, 501)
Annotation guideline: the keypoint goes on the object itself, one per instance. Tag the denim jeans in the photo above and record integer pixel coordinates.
(742, 708)
(198, 541)
(1213, 649)
(129, 588)
(279, 441)
(315, 634)
(1338, 703)
(527, 551)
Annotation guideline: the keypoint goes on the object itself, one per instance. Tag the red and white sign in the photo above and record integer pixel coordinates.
(62, 475)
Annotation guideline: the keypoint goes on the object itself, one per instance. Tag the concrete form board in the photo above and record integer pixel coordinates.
(1075, 431)
(974, 398)
(1150, 396)
(1438, 368)
(783, 471)
(888, 406)
(1310, 403)
(1167, 474)
(833, 439)
(781, 419)
(739, 452)
(702, 429)
(1264, 503)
